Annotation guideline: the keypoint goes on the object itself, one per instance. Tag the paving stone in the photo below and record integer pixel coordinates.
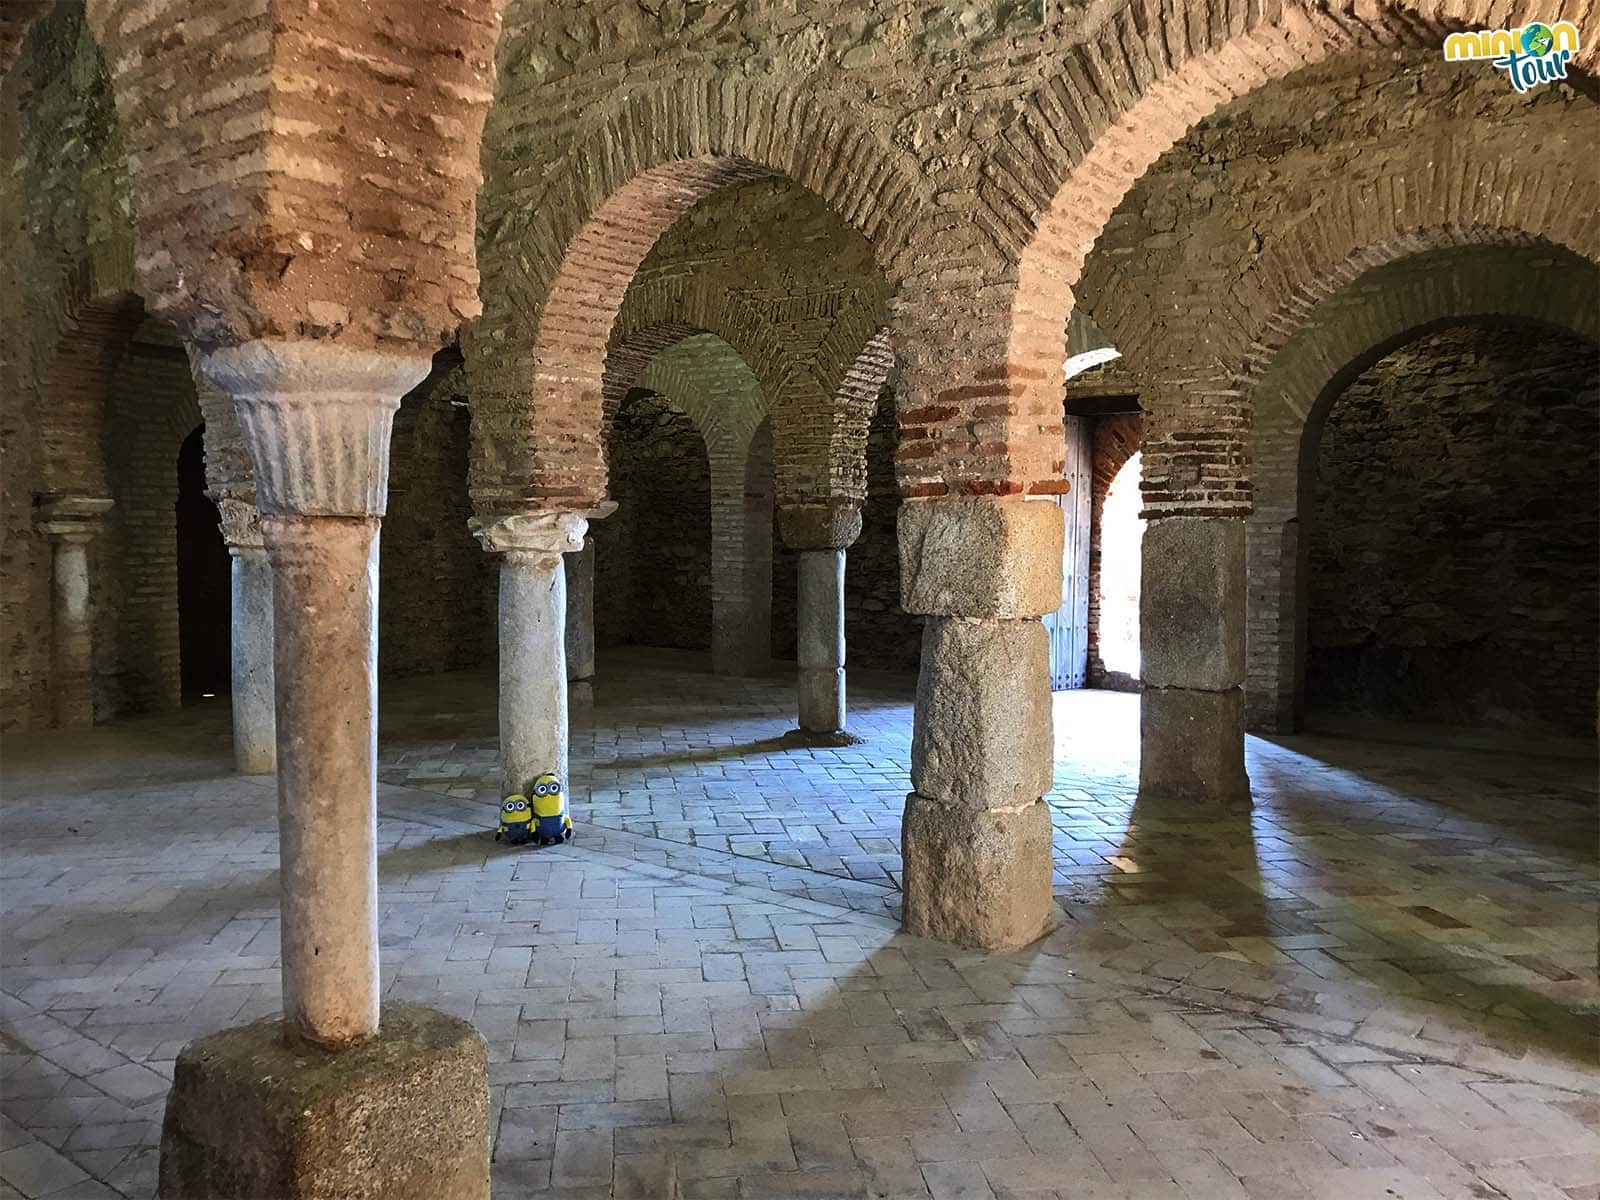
(672, 1005)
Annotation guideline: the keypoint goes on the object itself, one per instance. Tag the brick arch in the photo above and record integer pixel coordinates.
(1371, 315)
(563, 252)
(1124, 96)
(94, 333)
(1198, 396)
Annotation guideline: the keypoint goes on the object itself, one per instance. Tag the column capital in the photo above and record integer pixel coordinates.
(72, 518)
(316, 417)
(826, 523)
(542, 535)
(602, 510)
(241, 525)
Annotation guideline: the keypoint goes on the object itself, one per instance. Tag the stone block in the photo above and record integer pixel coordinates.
(1191, 748)
(976, 878)
(1192, 603)
(983, 736)
(401, 1116)
(981, 556)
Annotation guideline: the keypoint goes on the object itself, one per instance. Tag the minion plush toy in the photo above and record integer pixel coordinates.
(516, 820)
(552, 824)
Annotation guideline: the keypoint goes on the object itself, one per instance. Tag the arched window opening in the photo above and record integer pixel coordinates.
(203, 580)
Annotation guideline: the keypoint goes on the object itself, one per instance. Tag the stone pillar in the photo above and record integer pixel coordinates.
(325, 1101)
(819, 640)
(1191, 642)
(72, 522)
(580, 624)
(976, 836)
(533, 640)
(820, 532)
(317, 418)
(255, 748)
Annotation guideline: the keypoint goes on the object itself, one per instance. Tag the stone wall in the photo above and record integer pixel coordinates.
(1452, 534)
(653, 555)
(437, 589)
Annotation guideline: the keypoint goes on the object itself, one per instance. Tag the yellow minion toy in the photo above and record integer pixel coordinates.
(550, 812)
(516, 820)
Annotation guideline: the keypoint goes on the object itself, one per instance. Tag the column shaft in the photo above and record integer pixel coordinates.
(533, 670)
(325, 656)
(579, 570)
(1191, 633)
(976, 837)
(72, 631)
(255, 750)
(819, 621)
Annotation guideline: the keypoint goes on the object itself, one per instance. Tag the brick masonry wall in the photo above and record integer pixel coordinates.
(437, 589)
(150, 408)
(1278, 199)
(1462, 585)
(653, 555)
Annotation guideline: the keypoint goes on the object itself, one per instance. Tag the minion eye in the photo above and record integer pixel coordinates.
(522, 806)
(541, 790)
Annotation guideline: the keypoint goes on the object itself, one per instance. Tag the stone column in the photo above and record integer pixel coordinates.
(1191, 644)
(819, 640)
(580, 624)
(255, 743)
(976, 837)
(325, 1101)
(317, 418)
(820, 532)
(533, 633)
(72, 522)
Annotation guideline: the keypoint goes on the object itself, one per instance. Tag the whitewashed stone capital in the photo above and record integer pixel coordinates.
(542, 534)
(316, 417)
(73, 518)
(241, 524)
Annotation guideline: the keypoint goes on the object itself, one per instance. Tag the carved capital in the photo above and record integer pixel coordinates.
(602, 510)
(316, 417)
(241, 524)
(543, 535)
(832, 523)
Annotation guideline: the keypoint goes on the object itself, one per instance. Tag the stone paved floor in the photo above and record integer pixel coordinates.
(1381, 983)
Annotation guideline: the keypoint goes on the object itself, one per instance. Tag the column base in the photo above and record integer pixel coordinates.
(822, 700)
(978, 877)
(401, 1116)
(1191, 748)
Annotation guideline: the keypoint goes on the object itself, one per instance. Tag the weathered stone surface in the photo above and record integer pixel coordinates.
(983, 725)
(832, 524)
(976, 878)
(401, 1116)
(255, 739)
(981, 556)
(1192, 603)
(1191, 748)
